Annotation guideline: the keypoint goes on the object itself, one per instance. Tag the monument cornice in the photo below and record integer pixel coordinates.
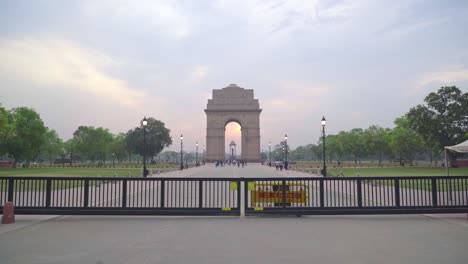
(233, 110)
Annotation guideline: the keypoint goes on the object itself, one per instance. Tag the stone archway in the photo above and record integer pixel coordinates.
(229, 104)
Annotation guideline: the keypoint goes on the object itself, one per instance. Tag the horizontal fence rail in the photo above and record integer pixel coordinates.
(120, 196)
(222, 196)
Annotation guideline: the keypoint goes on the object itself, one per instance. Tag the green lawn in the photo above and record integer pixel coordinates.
(81, 172)
(406, 171)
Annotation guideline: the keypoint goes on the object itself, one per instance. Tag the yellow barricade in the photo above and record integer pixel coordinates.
(266, 193)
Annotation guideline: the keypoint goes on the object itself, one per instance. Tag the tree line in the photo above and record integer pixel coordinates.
(25, 138)
(421, 133)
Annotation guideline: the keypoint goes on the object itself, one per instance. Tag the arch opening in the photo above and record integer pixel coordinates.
(232, 140)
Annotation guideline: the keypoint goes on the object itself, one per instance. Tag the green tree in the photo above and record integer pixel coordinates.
(70, 148)
(94, 143)
(353, 143)
(443, 120)
(157, 138)
(26, 135)
(119, 147)
(53, 145)
(5, 129)
(404, 141)
(377, 141)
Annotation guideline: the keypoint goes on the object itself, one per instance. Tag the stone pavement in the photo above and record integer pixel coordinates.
(204, 240)
(273, 239)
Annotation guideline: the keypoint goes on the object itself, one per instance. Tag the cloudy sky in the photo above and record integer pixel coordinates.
(109, 63)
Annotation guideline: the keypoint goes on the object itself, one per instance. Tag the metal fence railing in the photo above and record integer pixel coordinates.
(145, 196)
(222, 196)
(356, 195)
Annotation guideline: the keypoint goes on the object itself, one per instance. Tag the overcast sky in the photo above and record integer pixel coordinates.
(109, 63)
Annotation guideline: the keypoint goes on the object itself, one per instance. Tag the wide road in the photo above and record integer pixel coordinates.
(310, 239)
(250, 170)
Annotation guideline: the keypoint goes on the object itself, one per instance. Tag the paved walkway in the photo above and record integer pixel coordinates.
(310, 239)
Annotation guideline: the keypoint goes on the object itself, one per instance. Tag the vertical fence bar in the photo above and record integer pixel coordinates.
(124, 193)
(283, 183)
(239, 194)
(11, 189)
(322, 195)
(200, 194)
(48, 191)
(246, 195)
(434, 192)
(163, 193)
(86, 193)
(397, 193)
(359, 192)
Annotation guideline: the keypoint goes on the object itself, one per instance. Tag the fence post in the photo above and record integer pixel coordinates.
(397, 192)
(124, 193)
(48, 192)
(163, 192)
(86, 193)
(359, 192)
(239, 194)
(11, 189)
(434, 191)
(200, 194)
(283, 194)
(246, 195)
(322, 194)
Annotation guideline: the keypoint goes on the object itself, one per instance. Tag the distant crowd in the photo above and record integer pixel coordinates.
(221, 163)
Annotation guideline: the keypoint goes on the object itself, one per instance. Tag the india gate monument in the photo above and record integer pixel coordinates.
(233, 104)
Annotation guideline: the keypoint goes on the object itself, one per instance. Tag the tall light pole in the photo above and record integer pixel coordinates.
(144, 123)
(261, 156)
(286, 151)
(113, 156)
(196, 156)
(269, 149)
(324, 122)
(203, 154)
(181, 153)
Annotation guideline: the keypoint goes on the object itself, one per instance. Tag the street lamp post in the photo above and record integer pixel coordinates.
(286, 147)
(261, 156)
(181, 153)
(203, 154)
(113, 163)
(286, 165)
(196, 156)
(144, 123)
(269, 149)
(324, 122)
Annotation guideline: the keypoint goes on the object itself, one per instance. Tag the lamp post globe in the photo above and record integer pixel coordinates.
(324, 123)
(144, 123)
(181, 152)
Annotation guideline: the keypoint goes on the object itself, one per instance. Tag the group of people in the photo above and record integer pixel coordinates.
(231, 162)
(279, 165)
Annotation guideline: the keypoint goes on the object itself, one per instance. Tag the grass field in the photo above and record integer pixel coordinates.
(399, 171)
(81, 172)
(106, 172)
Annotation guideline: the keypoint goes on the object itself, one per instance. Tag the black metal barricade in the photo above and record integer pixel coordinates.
(222, 196)
(121, 196)
(356, 195)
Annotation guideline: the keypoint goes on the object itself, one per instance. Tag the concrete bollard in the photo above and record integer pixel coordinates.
(8, 213)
